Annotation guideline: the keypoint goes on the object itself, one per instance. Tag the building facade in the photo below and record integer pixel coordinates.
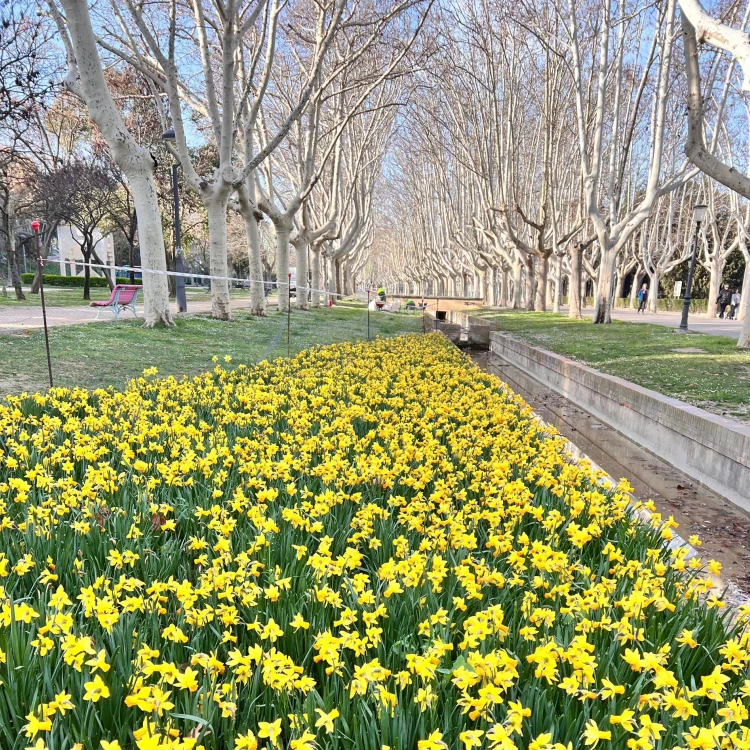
(71, 258)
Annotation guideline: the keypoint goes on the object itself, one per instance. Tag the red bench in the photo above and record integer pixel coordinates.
(123, 297)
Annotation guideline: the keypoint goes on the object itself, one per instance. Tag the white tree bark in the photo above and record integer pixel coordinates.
(717, 34)
(301, 248)
(251, 215)
(217, 241)
(86, 78)
(283, 227)
(316, 280)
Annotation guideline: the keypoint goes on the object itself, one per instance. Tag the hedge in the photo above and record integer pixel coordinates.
(74, 281)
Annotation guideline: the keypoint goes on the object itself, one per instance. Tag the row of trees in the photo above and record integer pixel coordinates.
(59, 169)
(290, 100)
(547, 147)
(281, 112)
(530, 147)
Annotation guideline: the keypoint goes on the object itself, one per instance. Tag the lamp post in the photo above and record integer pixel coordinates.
(699, 213)
(179, 284)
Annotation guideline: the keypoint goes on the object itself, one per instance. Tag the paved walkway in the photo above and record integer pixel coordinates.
(17, 318)
(699, 323)
(22, 318)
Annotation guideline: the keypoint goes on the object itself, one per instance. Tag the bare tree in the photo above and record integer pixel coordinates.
(86, 79)
(81, 195)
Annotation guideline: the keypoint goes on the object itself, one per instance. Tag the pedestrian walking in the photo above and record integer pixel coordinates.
(642, 298)
(736, 299)
(724, 299)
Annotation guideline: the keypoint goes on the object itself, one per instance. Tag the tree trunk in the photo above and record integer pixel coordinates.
(338, 288)
(502, 300)
(315, 274)
(255, 266)
(328, 280)
(634, 289)
(252, 216)
(134, 160)
(481, 285)
(301, 250)
(15, 276)
(717, 266)
(557, 299)
(602, 301)
(574, 292)
(517, 301)
(151, 242)
(745, 288)
(131, 262)
(540, 302)
(86, 276)
(744, 340)
(217, 257)
(620, 287)
(653, 291)
(529, 283)
(283, 230)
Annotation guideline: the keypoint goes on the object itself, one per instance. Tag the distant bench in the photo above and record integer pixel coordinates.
(123, 297)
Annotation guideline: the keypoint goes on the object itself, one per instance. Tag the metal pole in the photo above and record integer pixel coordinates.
(437, 307)
(289, 315)
(35, 227)
(368, 314)
(179, 283)
(689, 286)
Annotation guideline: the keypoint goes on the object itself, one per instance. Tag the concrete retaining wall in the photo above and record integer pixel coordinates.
(709, 448)
(467, 320)
(477, 329)
(452, 331)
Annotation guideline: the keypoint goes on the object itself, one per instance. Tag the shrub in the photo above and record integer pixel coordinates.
(74, 281)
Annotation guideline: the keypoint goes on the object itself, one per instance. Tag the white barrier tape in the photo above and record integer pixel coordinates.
(158, 272)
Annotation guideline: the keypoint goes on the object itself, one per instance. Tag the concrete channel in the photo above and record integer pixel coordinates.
(723, 528)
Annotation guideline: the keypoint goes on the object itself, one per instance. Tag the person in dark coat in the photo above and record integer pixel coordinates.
(724, 299)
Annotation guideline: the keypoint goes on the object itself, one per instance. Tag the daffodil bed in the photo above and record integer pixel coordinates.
(367, 546)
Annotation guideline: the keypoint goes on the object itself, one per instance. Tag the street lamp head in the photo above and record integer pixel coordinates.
(699, 212)
(35, 225)
(168, 135)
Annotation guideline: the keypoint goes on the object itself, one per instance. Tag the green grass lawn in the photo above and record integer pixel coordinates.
(102, 354)
(54, 297)
(717, 378)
